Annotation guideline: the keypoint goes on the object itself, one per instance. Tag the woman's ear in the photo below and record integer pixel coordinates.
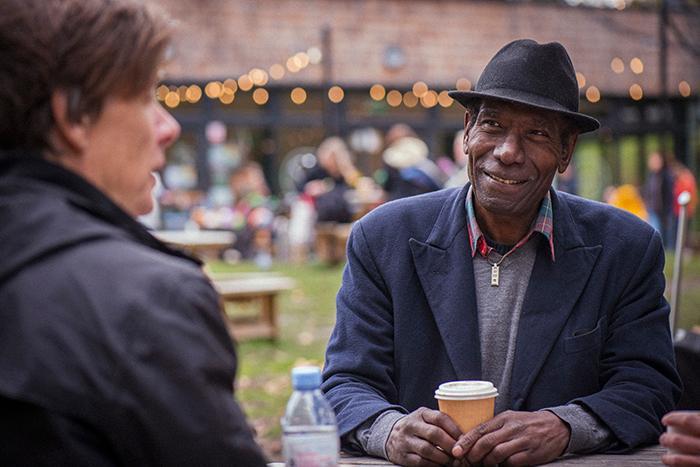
(70, 132)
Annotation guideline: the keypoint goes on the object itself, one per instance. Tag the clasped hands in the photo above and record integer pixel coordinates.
(428, 437)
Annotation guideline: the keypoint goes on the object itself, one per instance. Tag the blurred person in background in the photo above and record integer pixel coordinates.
(627, 197)
(253, 214)
(683, 180)
(328, 181)
(114, 351)
(407, 169)
(461, 176)
(658, 195)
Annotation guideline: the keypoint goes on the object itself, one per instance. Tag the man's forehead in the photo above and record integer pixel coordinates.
(520, 111)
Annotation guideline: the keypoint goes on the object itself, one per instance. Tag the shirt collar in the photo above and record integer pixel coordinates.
(543, 224)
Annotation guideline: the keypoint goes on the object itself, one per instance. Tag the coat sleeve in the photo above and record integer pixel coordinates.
(637, 368)
(358, 376)
(175, 381)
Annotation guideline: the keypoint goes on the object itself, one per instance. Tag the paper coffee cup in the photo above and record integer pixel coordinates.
(468, 403)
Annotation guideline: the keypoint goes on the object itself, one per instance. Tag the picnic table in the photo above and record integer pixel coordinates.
(646, 457)
(201, 243)
(262, 288)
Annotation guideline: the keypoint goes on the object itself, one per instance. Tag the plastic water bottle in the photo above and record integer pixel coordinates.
(310, 433)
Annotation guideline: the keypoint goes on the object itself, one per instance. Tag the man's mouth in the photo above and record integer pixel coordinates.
(504, 180)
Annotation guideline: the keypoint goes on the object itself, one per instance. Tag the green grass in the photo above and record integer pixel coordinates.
(307, 315)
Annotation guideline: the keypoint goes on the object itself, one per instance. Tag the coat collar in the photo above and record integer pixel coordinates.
(445, 270)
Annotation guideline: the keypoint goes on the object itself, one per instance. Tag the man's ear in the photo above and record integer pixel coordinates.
(465, 138)
(567, 151)
(69, 135)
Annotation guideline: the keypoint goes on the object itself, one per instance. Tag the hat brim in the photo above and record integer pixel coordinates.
(584, 122)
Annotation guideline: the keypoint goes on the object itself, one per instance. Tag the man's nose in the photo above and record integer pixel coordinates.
(168, 128)
(509, 150)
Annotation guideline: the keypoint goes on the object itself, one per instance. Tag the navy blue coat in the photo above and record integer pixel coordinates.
(594, 327)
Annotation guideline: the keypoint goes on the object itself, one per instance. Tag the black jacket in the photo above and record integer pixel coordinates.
(112, 347)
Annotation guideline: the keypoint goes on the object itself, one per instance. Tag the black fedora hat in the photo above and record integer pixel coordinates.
(539, 75)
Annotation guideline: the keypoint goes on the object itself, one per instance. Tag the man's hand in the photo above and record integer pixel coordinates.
(685, 441)
(514, 438)
(415, 439)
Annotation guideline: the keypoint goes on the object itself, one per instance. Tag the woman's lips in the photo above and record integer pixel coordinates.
(504, 180)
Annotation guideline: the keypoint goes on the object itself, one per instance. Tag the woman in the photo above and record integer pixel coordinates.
(113, 350)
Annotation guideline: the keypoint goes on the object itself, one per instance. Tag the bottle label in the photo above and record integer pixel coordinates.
(311, 449)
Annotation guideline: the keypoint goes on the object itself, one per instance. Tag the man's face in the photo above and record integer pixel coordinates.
(125, 144)
(514, 152)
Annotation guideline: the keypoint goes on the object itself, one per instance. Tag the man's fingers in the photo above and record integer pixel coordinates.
(428, 451)
(466, 441)
(681, 460)
(502, 452)
(689, 422)
(681, 443)
(443, 421)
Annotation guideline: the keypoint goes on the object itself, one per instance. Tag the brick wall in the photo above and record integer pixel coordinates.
(443, 40)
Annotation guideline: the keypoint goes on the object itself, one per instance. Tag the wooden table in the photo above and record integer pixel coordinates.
(201, 243)
(260, 287)
(646, 457)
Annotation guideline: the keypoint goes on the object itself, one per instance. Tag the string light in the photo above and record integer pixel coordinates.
(617, 65)
(161, 92)
(230, 84)
(377, 92)
(463, 84)
(227, 98)
(420, 88)
(394, 98)
(592, 94)
(213, 89)
(245, 83)
(336, 94)
(444, 99)
(637, 66)
(636, 92)
(277, 71)
(429, 99)
(315, 55)
(193, 94)
(298, 96)
(684, 88)
(261, 96)
(581, 80)
(292, 65)
(410, 100)
(172, 99)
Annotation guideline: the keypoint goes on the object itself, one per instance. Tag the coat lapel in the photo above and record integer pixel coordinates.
(445, 271)
(551, 295)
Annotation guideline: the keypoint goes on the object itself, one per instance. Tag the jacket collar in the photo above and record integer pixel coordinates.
(445, 270)
(80, 194)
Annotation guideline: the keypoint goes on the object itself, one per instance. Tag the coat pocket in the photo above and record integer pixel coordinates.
(584, 339)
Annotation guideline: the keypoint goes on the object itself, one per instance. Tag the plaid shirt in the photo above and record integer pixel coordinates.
(543, 224)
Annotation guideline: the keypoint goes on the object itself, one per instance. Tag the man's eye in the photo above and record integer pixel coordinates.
(539, 133)
(491, 123)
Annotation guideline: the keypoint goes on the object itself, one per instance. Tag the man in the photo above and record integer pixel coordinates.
(555, 299)
(112, 347)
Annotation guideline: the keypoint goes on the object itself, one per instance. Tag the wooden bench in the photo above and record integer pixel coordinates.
(331, 241)
(262, 288)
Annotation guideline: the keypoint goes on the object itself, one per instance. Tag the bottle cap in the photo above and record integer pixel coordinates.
(306, 377)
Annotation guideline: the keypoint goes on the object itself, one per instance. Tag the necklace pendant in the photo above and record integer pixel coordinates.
(494, 275)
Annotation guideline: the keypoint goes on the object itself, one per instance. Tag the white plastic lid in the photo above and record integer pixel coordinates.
(465, 390)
